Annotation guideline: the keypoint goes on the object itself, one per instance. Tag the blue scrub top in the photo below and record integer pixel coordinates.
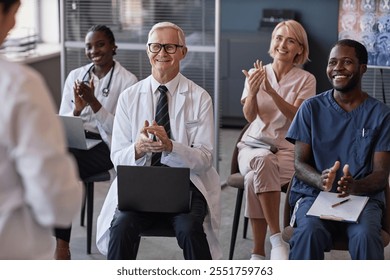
(334, 134)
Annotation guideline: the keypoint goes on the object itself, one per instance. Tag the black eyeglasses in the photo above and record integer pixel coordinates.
(169, 48)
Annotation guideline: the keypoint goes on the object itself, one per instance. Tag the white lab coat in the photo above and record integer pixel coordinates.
(39, 187)
(102, 121)
(192, 129)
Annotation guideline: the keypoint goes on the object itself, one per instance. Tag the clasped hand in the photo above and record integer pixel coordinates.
(83, 94)
(146, 142)
(345, 183)
(257, 78)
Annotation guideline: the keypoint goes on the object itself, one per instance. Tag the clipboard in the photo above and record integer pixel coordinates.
(344, 212)
(256, 143)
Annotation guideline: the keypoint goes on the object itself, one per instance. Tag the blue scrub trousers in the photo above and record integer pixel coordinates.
(313, 236)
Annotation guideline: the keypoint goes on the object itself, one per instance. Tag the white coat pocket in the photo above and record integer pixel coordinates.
(191, 128)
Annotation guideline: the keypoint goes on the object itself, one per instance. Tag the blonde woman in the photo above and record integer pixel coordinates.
(271, 97)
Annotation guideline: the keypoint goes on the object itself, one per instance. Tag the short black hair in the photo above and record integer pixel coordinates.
(360, 49)
(106, 30)
(7, 4)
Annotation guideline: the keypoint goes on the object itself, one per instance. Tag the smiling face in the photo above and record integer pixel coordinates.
(284, 45)
(165, 66)
(344, 70)
(99, 49)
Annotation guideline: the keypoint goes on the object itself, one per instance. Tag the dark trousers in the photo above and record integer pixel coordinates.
(188, 227)
(89, 162)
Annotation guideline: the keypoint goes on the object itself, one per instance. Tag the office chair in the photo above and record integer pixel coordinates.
(339, 242)
(236, 180)
(158, 230)
(88, 201)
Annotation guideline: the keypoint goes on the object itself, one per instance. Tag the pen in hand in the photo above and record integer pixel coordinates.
(341, 202)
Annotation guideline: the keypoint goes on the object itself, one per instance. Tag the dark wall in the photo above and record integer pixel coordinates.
(319, 18)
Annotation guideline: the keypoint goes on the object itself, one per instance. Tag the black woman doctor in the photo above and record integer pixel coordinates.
(91, 92)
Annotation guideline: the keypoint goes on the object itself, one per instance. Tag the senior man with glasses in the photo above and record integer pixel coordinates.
(183, 139)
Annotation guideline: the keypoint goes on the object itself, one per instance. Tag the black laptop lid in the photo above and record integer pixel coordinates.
(153, 189)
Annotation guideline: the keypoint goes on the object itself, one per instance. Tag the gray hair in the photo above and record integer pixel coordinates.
(166, 24)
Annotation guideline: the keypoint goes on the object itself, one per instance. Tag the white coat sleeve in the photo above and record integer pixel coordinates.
(106, 117)
(66, 106)
(122, 149)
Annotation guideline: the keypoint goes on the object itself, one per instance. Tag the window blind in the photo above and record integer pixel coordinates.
(376, 82)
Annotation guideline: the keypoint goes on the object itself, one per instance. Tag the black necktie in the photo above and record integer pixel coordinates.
(162, 118)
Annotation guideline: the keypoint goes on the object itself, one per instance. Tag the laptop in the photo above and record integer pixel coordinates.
(153, 189)
(75, 134)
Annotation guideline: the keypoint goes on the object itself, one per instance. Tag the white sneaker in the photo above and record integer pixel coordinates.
(280, 249)
(256, 257)
(280, 252)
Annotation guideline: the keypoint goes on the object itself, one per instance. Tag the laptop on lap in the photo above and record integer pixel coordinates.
(75, 134)
(153, 189)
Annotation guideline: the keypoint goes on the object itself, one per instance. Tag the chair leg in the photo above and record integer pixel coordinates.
(236, 219)
(89, 194)
(136, 247)
(245, 227)
(82, 213)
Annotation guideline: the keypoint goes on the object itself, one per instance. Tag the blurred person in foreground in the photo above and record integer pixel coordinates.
(39, 187)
